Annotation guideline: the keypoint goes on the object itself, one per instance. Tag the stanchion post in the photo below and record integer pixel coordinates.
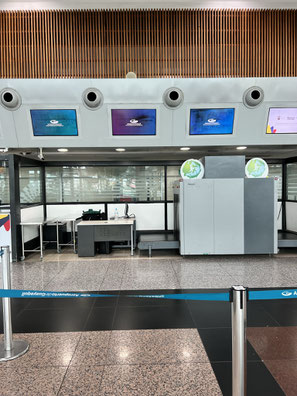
(239, 357)
(9, 349)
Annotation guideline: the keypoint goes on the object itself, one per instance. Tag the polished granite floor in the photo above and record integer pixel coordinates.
(130, 346)
(120, 271)
(132, 363)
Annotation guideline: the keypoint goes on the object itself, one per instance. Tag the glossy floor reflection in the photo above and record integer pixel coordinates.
(139, 346)
(277, 347)
(137, 362)
(119, 271)
(110, 332)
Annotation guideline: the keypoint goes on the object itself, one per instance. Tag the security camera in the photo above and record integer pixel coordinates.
(10, 99)
(40, 155)
(173, 98)
(92, 98)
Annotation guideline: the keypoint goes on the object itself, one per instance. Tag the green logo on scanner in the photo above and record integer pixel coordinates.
(192, 169)
(256, 167)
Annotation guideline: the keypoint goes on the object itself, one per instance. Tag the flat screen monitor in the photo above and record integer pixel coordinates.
(282, 120)
(126, 214)
(54, 122)
(133, 122)
(211, 121)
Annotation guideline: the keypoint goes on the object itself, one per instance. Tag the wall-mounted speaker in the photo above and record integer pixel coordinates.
(92, 98)
(253, 97)
(10, 99)
(173, 98)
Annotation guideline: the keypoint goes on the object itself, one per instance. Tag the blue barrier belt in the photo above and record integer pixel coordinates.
(272, 294)
(224, 296)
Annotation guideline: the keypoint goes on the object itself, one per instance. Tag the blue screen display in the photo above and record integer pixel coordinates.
(54, 122)
(134, 122)
(211, 121)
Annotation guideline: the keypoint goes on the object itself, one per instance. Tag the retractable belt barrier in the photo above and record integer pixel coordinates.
(238, 296)
(275, 294)
(52, 294)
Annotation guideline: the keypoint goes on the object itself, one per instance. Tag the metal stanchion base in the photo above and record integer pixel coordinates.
(19, 348)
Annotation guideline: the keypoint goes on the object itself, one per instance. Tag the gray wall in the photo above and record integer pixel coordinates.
(172, 125)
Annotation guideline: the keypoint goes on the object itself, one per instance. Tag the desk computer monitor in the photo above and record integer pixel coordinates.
(126, 215)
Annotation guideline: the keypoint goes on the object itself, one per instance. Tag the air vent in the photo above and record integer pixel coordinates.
(92, 98)
(253, 97)
(173, 98)
(10, 99)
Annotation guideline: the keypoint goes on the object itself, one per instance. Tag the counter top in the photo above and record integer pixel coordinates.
(106, 222)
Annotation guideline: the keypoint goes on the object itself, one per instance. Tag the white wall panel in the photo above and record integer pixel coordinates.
(172, 125)
(148, 216)
(31, 214)
(66, 211)
(70, 211)
(291, 214)
(170, 216)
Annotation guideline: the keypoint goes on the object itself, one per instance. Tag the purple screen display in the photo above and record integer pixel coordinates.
(133, 122)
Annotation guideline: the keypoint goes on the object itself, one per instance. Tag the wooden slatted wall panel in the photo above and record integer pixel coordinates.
(156, 43)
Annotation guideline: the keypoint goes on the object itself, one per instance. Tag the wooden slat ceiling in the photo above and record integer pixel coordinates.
(153, 43)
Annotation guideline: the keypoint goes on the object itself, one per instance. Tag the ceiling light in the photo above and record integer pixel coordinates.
(185, 148)
(62, 150)
(241, 148)
(120, 149)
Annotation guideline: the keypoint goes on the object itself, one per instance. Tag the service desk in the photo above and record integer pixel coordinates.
(90, 232)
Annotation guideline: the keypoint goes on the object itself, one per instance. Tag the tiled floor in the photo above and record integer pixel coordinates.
(277, 347)
(120, 271)
(137, 362)
(140, 346)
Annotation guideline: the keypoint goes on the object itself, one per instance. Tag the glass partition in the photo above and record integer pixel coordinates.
(4, 184)
(292, 182)
(172, 176)
(276, 170)
(104, 184)
(30, 185)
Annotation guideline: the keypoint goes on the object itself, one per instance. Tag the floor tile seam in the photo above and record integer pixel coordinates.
(230, 361)
(32, 366)
(104, 276)
(88, 316)
(279, 360)
(59, 272)
(231, 275)
(114, 314)
(203, 328)
(68, 366)
(62, 381)
(278, 383)
(123, 276)
(279, 325)
(223, 268)
(269, 314)
(175, 274)
(53, 279)
(142, 364)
